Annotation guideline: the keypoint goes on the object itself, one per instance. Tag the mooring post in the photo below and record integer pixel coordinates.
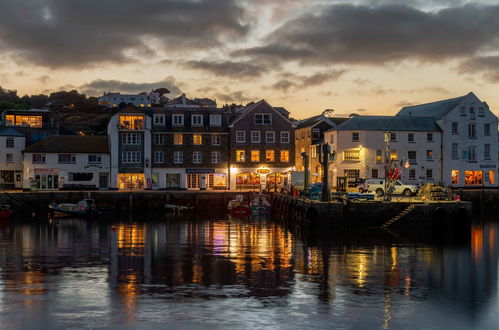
(130, 201)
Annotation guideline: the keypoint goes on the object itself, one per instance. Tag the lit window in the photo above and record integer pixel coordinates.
(491, 177)
(131, 122)
(24, 121)
(379, 156)
(177, 139)
(240, 155)
(393, 154)
(197, 139)
(429, 154)
(270, 156)
(255, 155)
(473, 177)
(284, 156)
(455, 176)
(353, 154)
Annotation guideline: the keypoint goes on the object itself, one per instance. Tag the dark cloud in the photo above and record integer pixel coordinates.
(344, 33)
(235, 97)
(80, 33)
(227, 68)
(99, 86)
(283, 85)
(296, 81)
(488, 66)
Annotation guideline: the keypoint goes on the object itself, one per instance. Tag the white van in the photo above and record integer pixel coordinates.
(378, 186)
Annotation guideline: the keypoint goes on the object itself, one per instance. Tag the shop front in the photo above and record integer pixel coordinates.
(276, 181)
(473, 178)
(131, 181)
(45, 179)
(200, 178)
(248, 180)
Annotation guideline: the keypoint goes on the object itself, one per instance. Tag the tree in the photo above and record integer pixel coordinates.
(67, 98)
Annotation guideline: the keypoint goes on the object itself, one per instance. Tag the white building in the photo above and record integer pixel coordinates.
(113, 100)
(359, 144)
(67, 162)
(469, 139)
(12, 143)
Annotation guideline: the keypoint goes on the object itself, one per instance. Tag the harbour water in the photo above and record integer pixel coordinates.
(197, 273)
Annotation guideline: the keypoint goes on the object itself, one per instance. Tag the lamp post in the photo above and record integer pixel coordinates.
(325, 156)
(306, 174)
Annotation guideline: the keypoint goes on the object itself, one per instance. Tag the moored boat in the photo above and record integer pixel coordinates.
(5, 211)
(238, 206)
(84, 208)
(260, 204)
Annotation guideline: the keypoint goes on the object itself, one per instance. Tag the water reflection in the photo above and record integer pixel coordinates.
(243, 272)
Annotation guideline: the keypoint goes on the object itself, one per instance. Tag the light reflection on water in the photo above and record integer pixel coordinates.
(243, 273)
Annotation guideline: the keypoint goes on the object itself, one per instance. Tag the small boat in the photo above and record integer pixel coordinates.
(84, 208)
(178, 208)
(238, 206)
(5, 211)
(259, 204)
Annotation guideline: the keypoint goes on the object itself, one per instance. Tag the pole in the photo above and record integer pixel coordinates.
(306, 174)
(325, 173)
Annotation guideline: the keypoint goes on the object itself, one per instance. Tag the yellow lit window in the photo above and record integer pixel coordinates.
(131, 122)
(240, 156)
(393, 154)
(270, 156)
(255, 155)
(197, 139)
(177, 139)
(473, 177)
(492, 177)
(284, 156)
(455, 176)
(142, 105)
(26, 121)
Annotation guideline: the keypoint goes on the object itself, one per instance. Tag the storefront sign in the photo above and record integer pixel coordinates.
(263, 171)
(199, 170)
(487, 166)
(46, 171)
(97, 166)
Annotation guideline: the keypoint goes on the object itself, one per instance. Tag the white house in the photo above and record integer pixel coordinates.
(359, 145)
(113, 100)
(12, 143)
(67, 162)
(469, 139)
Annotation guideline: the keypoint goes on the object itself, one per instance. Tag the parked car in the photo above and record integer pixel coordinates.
(378, 186)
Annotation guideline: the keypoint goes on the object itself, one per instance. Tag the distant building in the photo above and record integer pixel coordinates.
(12, 143)
(309, 134)
(34, 124)
(469, 139)
(67, 162)
(144, 100)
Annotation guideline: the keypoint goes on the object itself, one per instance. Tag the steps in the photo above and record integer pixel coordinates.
(402, 214)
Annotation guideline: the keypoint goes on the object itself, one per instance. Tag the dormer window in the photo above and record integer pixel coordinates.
(178, 120)
(197, 120)
(263, 119)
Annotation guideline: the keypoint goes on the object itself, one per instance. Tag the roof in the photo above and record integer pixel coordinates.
(312, 121)
(390, 123)
(244, 111)
(71, 144)
(282, 111)
(435, 110)
(7, 131)
(132, 109)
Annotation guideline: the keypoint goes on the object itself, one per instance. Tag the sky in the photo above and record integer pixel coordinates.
(358, 56)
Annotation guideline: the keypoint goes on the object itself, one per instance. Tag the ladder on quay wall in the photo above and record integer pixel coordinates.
(399, 216)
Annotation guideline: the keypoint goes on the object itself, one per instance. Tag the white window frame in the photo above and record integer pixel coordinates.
(472, 131)
(262, 116)
(472, 152)
(197, 120)
(159, 157)
(270, 134)
(197, 157)
(285, 137)
(98, 159)
(486, 151)
(159, 139)
(177, 119)
(9, 142)
(254, 135)
(178, 157)
(455, 151)
(429, 137)
(240, 136)
(159, 119)
(71, 161)
(216, 157)
(216, 139)
(43, 158)
(130, 139)
(131, 157)
(455, 131)
(215, 120)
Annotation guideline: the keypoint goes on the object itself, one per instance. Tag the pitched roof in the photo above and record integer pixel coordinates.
(435, 110)
(282, 111)
(312, 121)
(244, 111)
(7, 131)
(389, 123)
(71, 144)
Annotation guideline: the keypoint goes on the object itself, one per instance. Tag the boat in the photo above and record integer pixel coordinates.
(84, 208)
(238, 206)
(5, 211)
(260, 204)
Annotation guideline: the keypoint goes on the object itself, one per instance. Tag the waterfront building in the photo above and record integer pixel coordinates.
(183, 145)
(12, 143)
(142, 100)
(359, 145)
(261, 146)
(67, 162)
(34, 124)
(309, 135)
(469, 139)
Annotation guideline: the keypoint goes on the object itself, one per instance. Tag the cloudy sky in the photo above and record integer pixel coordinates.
(357, 56)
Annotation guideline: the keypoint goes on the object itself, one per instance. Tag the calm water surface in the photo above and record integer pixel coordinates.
(243, 273)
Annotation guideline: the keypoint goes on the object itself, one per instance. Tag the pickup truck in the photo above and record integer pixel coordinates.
(378, 186)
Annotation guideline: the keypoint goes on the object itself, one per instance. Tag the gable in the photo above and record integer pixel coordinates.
(247, 115)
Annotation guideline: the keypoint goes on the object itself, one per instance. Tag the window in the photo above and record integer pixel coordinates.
(352, 173)
(393, 136)
(130, 156)
(9, 142)
(67, 158)
(178, 120)
(25, 121)
(216, 139)
(197, 157)
(316, 133)
(284, 156)
(131, 122)
(38, 158)
(270, 137)
(263, 119)
(472, 113)
(480, 112)
(285, 137)
(486, 151)
(215, 120)
(80, 176)
(411, 155)
(353, 154)
(159, 138)
(455, 151)
(331, 138)
(455, 176)
(178, 139)
(130, 138)
(379, 156)
(412, 174)
(429, 154)
(216, 157)
(492, 177)
(255, 136)
(463, 111)
(197, 139)
(393, 154)
(95, 159)
(355, 136)
(473, 177)
(486, 129)
(471, 154)
(159, 119)
(374, 173)
(178, 157)
(429, 173)
(410, 137)
(240, 155)
(455, 128)
(255, 155)
(429, 137)
(270, 156)
(472, 131)
(9, 158)
(197, 120)
(240, 136)
(159, 157)
(313, 151)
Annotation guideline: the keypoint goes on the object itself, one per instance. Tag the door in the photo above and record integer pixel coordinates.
(103, 180)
